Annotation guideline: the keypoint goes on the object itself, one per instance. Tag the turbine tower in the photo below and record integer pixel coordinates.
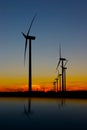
(60, 81)
(63, 62)
(64, 75)
(57, 80)
(30, 38)
(59, 77)
(54, 85)
(57, 83)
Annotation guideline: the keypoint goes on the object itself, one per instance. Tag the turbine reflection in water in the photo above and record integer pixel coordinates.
(27, 110)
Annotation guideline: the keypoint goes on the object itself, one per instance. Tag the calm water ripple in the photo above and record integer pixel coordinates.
(43, 114)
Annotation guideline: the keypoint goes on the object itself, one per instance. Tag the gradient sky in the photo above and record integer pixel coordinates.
(57, 21)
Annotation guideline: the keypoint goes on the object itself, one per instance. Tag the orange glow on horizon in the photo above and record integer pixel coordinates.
(23, 88)
(43, 84)
(16, 84)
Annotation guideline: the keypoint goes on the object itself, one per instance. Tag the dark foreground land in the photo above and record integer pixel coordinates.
(50, 94)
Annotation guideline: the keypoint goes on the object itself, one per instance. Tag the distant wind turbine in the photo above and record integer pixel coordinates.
(54, 84)
(30, 38)
(57, 83)
(57, 80)
(62, 61)
(60, 81)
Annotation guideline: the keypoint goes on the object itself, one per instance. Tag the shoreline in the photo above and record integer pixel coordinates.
(50, 94)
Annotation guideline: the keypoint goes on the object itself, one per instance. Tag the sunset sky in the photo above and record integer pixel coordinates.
(57, 21)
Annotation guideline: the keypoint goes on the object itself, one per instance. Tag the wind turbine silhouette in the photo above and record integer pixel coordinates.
(62, 61)
(54, 85)
(58, 83)
(57, 80)
(30, 38)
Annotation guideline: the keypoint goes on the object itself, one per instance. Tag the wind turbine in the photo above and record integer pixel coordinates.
(57, 80)
(54, 85)
(62, 61)
(30, 38)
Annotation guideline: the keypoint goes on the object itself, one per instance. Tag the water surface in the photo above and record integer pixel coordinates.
(43, 114)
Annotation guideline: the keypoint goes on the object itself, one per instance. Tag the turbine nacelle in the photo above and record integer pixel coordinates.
(56, 79)
(60, 75)
(64, 67)
(54, 82)
(62, 59)
(28, 37)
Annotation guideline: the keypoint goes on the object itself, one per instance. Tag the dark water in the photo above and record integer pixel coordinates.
(43, 114)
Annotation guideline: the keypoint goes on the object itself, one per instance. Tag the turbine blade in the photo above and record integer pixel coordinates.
(25, 51)
(65, 63)
(59, 50)
(23, 34)
(31, 24)
(58, 64)
(58, 73)
(59, 56)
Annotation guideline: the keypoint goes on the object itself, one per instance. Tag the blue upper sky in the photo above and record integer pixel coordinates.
(57, 21)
